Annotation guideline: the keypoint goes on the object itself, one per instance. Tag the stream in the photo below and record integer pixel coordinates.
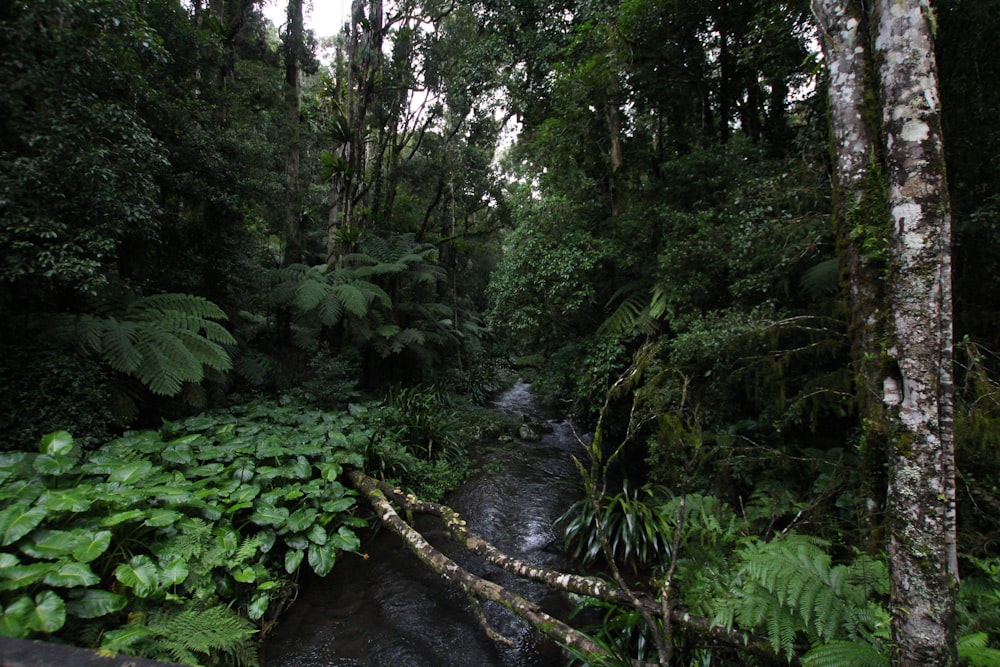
(390, 610)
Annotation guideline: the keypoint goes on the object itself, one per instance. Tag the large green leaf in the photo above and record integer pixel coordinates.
(49, 613)
(51, 544)
(18, 520)
(68, 500)
(58, 443)
(330, 470)
(258, 606)
(269, 515)
(301, 519)
(174, 570)
(93, 603)
(131, 472)
(345, 539)
(93, 544)
(293, 558)
(71, 575)
(321, 558)
(139, 574)
(54, 465)
(121, 517)
(21, 576)
(161, 517)
(14, 621)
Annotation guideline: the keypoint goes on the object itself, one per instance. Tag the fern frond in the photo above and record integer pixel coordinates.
(310, 293)
(208, 632)
(205, 351)
(633, 314)
(354, 299)
(119, 345)
(845, 654)
(216, 333)
(166, 363)
(408, 338)
(790, 586)
(158, 306)
(821, 279)
(248, 547)
(305, 335)
(380, 269)
(331, 309)
(974, 650)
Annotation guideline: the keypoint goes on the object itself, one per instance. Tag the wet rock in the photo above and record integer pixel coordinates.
(528, 433)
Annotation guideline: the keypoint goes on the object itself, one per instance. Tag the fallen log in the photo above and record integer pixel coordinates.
(378, 493)
(468, 582)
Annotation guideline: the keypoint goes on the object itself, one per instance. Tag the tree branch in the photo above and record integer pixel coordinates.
(468, 582)
(572, 583)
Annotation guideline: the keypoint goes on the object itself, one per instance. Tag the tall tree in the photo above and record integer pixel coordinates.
(294, 57)
(914, 348)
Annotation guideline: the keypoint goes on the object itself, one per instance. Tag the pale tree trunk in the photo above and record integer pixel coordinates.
(859, 210)
(922, 548)
(908, 340)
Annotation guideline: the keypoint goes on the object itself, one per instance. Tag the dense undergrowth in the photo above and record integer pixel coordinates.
(185, 543)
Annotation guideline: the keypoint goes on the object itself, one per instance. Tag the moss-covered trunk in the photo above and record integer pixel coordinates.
(903, 336)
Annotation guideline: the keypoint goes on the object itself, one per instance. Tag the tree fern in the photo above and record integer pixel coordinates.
(163, 340)
(974, 649)
(639, 311)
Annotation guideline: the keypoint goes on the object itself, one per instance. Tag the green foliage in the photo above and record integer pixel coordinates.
(77, 161)
(978, 609)
(164, 341)
(188, 637)
(638, 529)
(172, 542)
(420, 438)
(842, 653)
(35, 372)
(543, 288)
(788, 586)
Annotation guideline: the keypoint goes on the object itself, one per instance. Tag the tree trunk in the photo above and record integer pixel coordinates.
(859, 218)
(892, 210)
(294, 47)
(922, 544)
(468, 582)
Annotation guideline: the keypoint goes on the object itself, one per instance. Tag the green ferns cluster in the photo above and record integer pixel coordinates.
(789, 588)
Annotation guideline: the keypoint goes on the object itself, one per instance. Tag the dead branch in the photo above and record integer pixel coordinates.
(581, 585)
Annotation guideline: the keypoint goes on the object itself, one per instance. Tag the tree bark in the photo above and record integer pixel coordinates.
(894, 189)
(922, 544)
(859, 219)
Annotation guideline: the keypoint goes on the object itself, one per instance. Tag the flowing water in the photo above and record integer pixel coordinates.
(390, 610)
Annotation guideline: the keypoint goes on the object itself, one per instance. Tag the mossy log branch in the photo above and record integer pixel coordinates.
(378, 494)
(465, 580)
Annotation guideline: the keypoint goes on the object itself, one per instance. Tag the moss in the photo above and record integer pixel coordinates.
(902, 444)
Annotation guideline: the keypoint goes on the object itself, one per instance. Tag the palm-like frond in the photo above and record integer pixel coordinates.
(163, 340)
(639, 310)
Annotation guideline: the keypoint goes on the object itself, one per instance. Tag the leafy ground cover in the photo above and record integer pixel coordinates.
(180, 543)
